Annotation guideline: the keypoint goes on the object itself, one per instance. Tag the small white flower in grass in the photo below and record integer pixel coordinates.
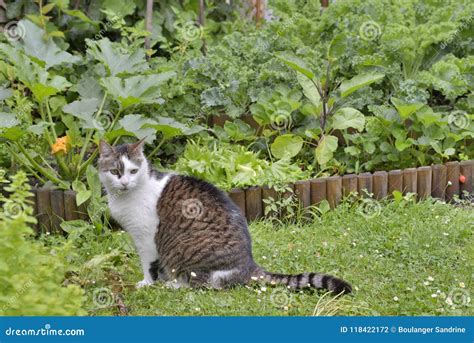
(197, 309)
(361, 256)
(254, 278)
(449, 301)
(261, 277)
(259, 300)
(264, 257)
(430, 278)
(193, 274)
(288, 287)
(345, 233)
(450, 183)
(395, 298)
(173, 270)
(264, 289)
(462, 285)
(272, 282)
(438, 291)
(285, 308)
(445, 234)
(325, 244)
(434, 295)
(426, 283)
(356, 288)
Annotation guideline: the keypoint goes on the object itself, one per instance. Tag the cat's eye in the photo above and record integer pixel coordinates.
(133, 171)
(114, 171)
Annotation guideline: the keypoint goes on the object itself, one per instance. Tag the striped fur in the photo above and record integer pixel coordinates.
(187, 232)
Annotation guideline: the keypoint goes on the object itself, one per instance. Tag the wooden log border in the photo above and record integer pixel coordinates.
(453, 179)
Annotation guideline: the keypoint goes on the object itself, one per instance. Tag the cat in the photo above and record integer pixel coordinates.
(186, 231)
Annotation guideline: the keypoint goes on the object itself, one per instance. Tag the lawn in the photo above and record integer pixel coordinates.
(404, 258)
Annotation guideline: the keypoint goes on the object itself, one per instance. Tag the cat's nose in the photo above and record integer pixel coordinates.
(124, 182)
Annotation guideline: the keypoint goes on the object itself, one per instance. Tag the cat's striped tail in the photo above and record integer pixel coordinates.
(304, 280)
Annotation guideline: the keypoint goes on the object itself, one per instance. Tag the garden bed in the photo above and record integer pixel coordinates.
(438, 181)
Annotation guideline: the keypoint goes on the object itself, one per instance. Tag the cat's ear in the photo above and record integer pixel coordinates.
(105, 148)
(137, 147)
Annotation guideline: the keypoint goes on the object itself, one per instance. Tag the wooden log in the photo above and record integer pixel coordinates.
(334, 190)
(466, 169)
(452, 177)
(349, 184)
(423, 185)
(409, 180)
(364, 184)
(380, 184)
(439, 181)
(253, 203)
(45, 211)
(57, 206)
(395, 181)
(303, 193)
(70, 206)
(268, 193)
(238, 197)
(318, 190)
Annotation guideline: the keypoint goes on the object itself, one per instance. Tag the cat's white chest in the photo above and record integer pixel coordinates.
(136, 212)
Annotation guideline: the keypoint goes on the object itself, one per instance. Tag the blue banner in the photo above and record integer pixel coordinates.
(237, 329)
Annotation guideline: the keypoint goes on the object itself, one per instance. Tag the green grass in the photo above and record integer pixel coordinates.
(406, 259)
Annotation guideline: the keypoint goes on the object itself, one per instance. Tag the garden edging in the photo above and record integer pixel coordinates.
(438, 181)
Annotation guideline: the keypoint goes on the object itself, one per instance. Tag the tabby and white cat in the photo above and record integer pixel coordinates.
(186, 231)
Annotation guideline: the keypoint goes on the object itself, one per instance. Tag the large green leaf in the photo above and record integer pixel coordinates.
(8, 120)
(286, 146)
(134, 123)
(350, 86)
(406, 109)
(35, 45)
(170, 128)
(115, 60)
(297, 64)
(309, 89)
(141, 89)
(36, 78)
(84, 109)
(5, 93)
(325, 150)
(348, 117)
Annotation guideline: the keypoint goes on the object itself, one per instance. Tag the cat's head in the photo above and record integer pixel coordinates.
(122, 168)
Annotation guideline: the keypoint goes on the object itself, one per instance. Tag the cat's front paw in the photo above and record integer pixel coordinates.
(144, 283)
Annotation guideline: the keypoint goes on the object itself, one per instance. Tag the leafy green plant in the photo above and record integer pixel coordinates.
(31, 274)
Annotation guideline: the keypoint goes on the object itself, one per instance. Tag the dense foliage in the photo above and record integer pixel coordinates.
(32, 275)
(360, 86)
